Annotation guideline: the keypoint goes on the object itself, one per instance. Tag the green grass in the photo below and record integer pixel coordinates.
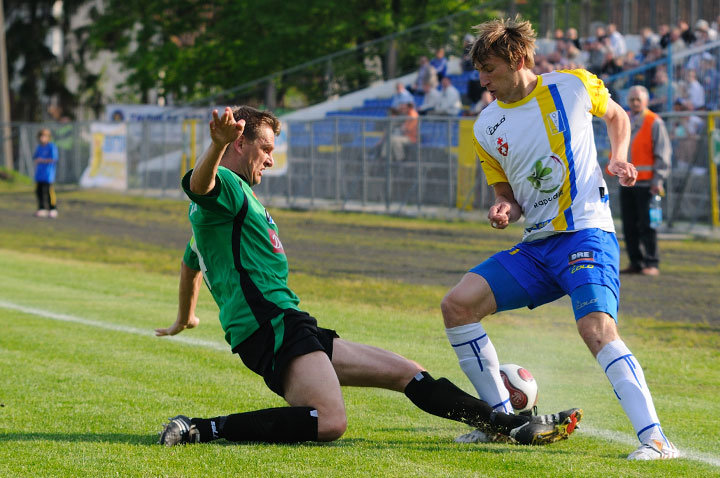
(87, 398)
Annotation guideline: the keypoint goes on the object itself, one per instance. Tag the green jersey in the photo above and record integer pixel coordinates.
(236, 246)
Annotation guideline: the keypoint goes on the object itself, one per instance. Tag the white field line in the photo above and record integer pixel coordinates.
(109, 326)
(583, 429)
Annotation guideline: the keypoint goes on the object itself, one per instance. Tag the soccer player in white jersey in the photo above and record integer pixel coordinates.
(537, 149)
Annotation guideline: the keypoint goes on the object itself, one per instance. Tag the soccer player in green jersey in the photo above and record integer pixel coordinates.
(237, 251)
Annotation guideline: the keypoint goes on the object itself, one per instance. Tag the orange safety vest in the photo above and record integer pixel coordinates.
(641, 149)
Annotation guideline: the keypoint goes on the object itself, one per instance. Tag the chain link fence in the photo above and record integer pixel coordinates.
(341, 163)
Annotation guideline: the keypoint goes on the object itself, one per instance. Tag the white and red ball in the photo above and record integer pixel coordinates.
(521, 385)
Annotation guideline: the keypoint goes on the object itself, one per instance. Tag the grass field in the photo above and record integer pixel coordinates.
(85, 386)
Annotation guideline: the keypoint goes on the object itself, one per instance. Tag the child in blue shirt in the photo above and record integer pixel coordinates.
(46, 158)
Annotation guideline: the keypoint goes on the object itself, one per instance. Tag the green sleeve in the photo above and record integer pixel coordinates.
(190, 258)
(226, 198)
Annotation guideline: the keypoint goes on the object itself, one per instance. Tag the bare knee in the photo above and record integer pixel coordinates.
(455, 313)
(331, 425)
(597, 329)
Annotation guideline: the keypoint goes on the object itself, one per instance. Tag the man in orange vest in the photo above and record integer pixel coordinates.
(650, 152)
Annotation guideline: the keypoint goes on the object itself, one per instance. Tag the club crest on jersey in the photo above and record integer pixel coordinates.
(268, 217)
(502, 145)
(275, 242)
(555, 122)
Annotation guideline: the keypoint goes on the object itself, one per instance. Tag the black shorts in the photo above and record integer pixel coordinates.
(269, 350)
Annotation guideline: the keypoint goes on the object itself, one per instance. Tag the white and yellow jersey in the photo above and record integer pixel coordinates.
(544, 147)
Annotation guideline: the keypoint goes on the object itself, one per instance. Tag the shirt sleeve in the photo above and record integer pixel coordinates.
(54, 152)
(662, 150)
(595, 88)
(190, 258)
(493, 171)
(226, 198)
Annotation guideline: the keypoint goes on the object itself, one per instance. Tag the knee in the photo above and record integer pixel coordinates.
(331, 426)
(597, 330)
(455, 313)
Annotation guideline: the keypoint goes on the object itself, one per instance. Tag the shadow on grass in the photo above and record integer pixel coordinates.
(133, 439)
(422, 443)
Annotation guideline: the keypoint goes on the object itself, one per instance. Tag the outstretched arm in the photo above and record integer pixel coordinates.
(618, 128)
(506, 209)
(190, 282)
(223, 131)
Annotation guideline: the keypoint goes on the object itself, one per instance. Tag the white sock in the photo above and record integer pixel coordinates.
(479, 361)
(628, 381)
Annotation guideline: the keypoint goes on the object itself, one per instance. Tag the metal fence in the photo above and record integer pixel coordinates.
(340, 163)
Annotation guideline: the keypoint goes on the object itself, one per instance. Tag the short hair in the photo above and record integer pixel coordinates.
(254, 120)
(508, 39)
(641, 90)
(43, 131)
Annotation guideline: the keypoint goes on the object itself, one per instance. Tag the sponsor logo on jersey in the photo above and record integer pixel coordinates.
(491, 129)
(268, 217)
(537, 226)
(275, 242)
(577, 267)
(502, 145)
(581, 256)
(555, 122)
(547, 174)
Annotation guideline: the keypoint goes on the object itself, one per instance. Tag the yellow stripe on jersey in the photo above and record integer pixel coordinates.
(595, 87)
(557, 146)
(493, 171)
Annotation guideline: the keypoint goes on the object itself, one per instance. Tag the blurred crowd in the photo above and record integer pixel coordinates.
(695, 80)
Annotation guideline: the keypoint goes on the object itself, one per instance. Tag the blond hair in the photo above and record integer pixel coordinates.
(509, 39)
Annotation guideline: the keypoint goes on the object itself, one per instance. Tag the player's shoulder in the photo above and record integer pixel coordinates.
(489, 120)
(586, 78)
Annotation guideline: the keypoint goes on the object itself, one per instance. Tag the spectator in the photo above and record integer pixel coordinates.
(664, 34)
(485, 99)
(660, 90)
(704, 33)
(716, 24)
(572, 36)
(426, 73)
(650, 152)
(467, 63)
(676, 41)
(450, 103)
(693, 90)
(649, 41)
(440, 64)
(402, 134)
(432, 100)
(686, 33)
(475, 89)
(45, 158)
(709, 78)
(617, 41)
(596, 54)
(401, 96)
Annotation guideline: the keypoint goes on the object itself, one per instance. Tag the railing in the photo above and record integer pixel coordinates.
(339, 163)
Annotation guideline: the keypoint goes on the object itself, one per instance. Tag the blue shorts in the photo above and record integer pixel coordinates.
(583, 264)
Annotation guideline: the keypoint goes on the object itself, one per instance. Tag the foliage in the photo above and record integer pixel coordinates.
(31, 64)
(189, 49)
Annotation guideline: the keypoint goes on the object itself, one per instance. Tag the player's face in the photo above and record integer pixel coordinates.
(500, 79)
(256, 155)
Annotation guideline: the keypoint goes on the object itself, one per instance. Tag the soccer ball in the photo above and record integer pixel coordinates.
(521, 385)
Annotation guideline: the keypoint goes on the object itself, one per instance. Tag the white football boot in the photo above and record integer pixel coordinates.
(655, 450)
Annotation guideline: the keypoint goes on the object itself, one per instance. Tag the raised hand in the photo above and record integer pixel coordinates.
(224, 129)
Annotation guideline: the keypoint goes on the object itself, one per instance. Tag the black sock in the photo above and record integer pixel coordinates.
(504, 422)
(271, 425)
(444, 399)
